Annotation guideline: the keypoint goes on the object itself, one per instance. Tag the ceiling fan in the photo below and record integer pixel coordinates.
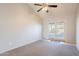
(44, 6)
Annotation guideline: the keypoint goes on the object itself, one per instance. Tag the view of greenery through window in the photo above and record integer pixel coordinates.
(56, 30)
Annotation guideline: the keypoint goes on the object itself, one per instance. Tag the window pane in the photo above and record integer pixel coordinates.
(51, 30)
(60, 30)
(60, 33)
(51, 35)
(60, 25)
(51, 27)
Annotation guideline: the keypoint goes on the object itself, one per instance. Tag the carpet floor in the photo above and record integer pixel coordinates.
(44, 48)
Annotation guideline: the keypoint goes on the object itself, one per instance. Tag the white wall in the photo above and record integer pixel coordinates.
(65, 13)
(18, 26)
(77, 29)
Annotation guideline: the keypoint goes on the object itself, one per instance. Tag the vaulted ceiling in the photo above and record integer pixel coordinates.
(61, 10)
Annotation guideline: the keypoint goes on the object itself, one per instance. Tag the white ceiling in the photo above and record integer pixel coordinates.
(62, 9)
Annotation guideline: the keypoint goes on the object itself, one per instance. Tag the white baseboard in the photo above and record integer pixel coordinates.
(3, 51)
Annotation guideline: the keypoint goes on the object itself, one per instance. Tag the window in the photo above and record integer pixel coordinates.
(56, 30)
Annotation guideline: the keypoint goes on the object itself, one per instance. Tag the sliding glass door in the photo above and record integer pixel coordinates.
(56, 30)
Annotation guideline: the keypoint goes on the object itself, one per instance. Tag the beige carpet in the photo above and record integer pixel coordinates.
(44, 48)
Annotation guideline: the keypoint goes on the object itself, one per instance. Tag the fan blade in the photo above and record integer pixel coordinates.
(47, 11)
(38, 4)
(39, 9)
(52, 6)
